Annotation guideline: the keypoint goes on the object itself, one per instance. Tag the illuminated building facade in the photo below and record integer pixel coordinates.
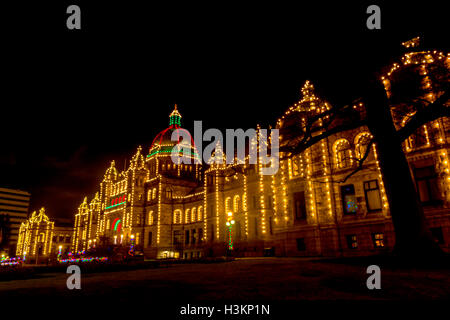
(178, 210)
(35, 236)
(14, 206)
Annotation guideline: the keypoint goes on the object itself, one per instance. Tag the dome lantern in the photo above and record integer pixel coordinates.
(175, 117)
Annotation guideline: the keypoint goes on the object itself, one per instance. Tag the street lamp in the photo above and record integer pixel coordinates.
(230, 222)
(131, 251)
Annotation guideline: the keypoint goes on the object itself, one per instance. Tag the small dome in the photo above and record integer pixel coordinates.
(111, 172)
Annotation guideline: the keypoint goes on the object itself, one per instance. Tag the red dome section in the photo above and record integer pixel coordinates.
(163, 144)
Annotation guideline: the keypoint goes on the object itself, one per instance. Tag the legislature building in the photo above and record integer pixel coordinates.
(311, 207)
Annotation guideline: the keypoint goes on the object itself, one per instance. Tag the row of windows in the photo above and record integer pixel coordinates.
(65, 239)
(378, 241)
(174, 166)
(151, 194)
(191, 237)
(342, 151)
(236, 206)
(349, 199)
(342, 154)
(194, 236)
(118, 187)
(233, 204)
(190, 215)
(372, 195)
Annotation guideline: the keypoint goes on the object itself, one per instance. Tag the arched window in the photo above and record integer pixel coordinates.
(138, 219)
(236, 201)
(342, 153)
(295, 167)
(193, 214)
(419, 138)
(149, 195)
(187, 216)
(177, 216)
(168, 193)
(150, 218)
(200, 213)
(154, 194)
(228, 204)
(361, 142)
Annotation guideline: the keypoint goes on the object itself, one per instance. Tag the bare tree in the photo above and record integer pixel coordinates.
(408, 97)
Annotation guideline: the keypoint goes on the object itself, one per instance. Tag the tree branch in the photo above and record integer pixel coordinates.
(307, 142)
(432, 112)
(360, 162)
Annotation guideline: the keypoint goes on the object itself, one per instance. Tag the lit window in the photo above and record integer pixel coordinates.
(200, 213)
(227, 204)
(236, 201)
(349, 199)
(373, 197)
(361, 142)
(342, 154)
(177, 217)
(378, 240)
(295, 167)
(186, 218)
(150, 218)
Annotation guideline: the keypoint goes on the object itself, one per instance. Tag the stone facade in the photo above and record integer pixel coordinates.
(35, 236)
(310, 207)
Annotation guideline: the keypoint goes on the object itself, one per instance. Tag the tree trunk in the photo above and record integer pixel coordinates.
(412, 236)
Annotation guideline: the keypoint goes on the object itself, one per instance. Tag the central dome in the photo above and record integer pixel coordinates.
(173, 135)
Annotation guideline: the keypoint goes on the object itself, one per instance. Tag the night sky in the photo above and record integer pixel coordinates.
(72, 101)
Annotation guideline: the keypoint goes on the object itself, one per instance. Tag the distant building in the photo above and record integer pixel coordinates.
(35, 236)
(14, 206)
(62, 237)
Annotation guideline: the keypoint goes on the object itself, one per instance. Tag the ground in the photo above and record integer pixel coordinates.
(270, 280)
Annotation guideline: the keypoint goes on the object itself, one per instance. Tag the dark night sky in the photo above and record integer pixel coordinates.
(74, 100)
